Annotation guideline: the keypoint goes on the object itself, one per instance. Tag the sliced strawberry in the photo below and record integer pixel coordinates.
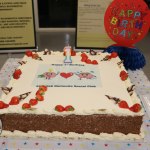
(43, 87)
(28, 53)
(88, 61)
(14, 100)
(122, 73)
(94, 62)
(3, 105)
(18, 72)
(40, 92)
(16, 76)
(33, 102)
(123, 104)
(26, 106)
(135, 108)
(59, 108)
(39, 97)
(114, 55)
(69, 108)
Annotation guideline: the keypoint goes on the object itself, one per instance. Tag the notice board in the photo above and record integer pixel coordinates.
(17, 28)
(90, 30)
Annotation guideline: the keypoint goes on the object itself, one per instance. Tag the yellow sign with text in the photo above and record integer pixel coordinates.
(17, 24)
(90, 24)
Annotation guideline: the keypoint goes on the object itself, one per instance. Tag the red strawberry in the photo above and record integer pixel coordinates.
(108, 57)
(94, 62)
(6, 105)
(64, 53)
(18, 72)
(35, 56)
(88, 61)
(14, 100)
(26, 106)
(28, 53)
(114, 55)
(122, 73)
(73, 53)
(124, 77)
(39, 97)
(16, 76)
(43, 87)
(59, 108)
(84, 59)
(135, 108)
(84, 55)
(33, 102)
(40, 92)
(123, 104)
(69, 108)
(3, 105)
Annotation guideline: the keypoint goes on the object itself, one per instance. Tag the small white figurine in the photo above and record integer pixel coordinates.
(67, 51)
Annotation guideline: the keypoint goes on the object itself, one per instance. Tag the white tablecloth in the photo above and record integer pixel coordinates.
(143, 89)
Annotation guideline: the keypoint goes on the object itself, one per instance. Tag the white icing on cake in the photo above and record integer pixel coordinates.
(86, 101)
(72, 135)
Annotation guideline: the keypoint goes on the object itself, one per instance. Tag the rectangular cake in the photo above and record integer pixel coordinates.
(90, 97)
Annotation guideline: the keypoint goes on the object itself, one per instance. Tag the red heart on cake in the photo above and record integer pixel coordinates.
(66, 75)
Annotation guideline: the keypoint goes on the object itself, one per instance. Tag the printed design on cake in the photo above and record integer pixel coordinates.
(86, 75)
(67, 75)
(48, 75)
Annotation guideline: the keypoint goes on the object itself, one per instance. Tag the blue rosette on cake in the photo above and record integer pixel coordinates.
(132, 57)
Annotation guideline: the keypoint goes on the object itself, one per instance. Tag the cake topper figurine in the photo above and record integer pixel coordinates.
(67, 51)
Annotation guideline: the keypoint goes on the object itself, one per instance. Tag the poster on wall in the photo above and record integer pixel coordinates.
(90, 30)
(17, 28)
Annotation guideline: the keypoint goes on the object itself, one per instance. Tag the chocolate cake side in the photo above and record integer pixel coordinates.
(96, 124)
